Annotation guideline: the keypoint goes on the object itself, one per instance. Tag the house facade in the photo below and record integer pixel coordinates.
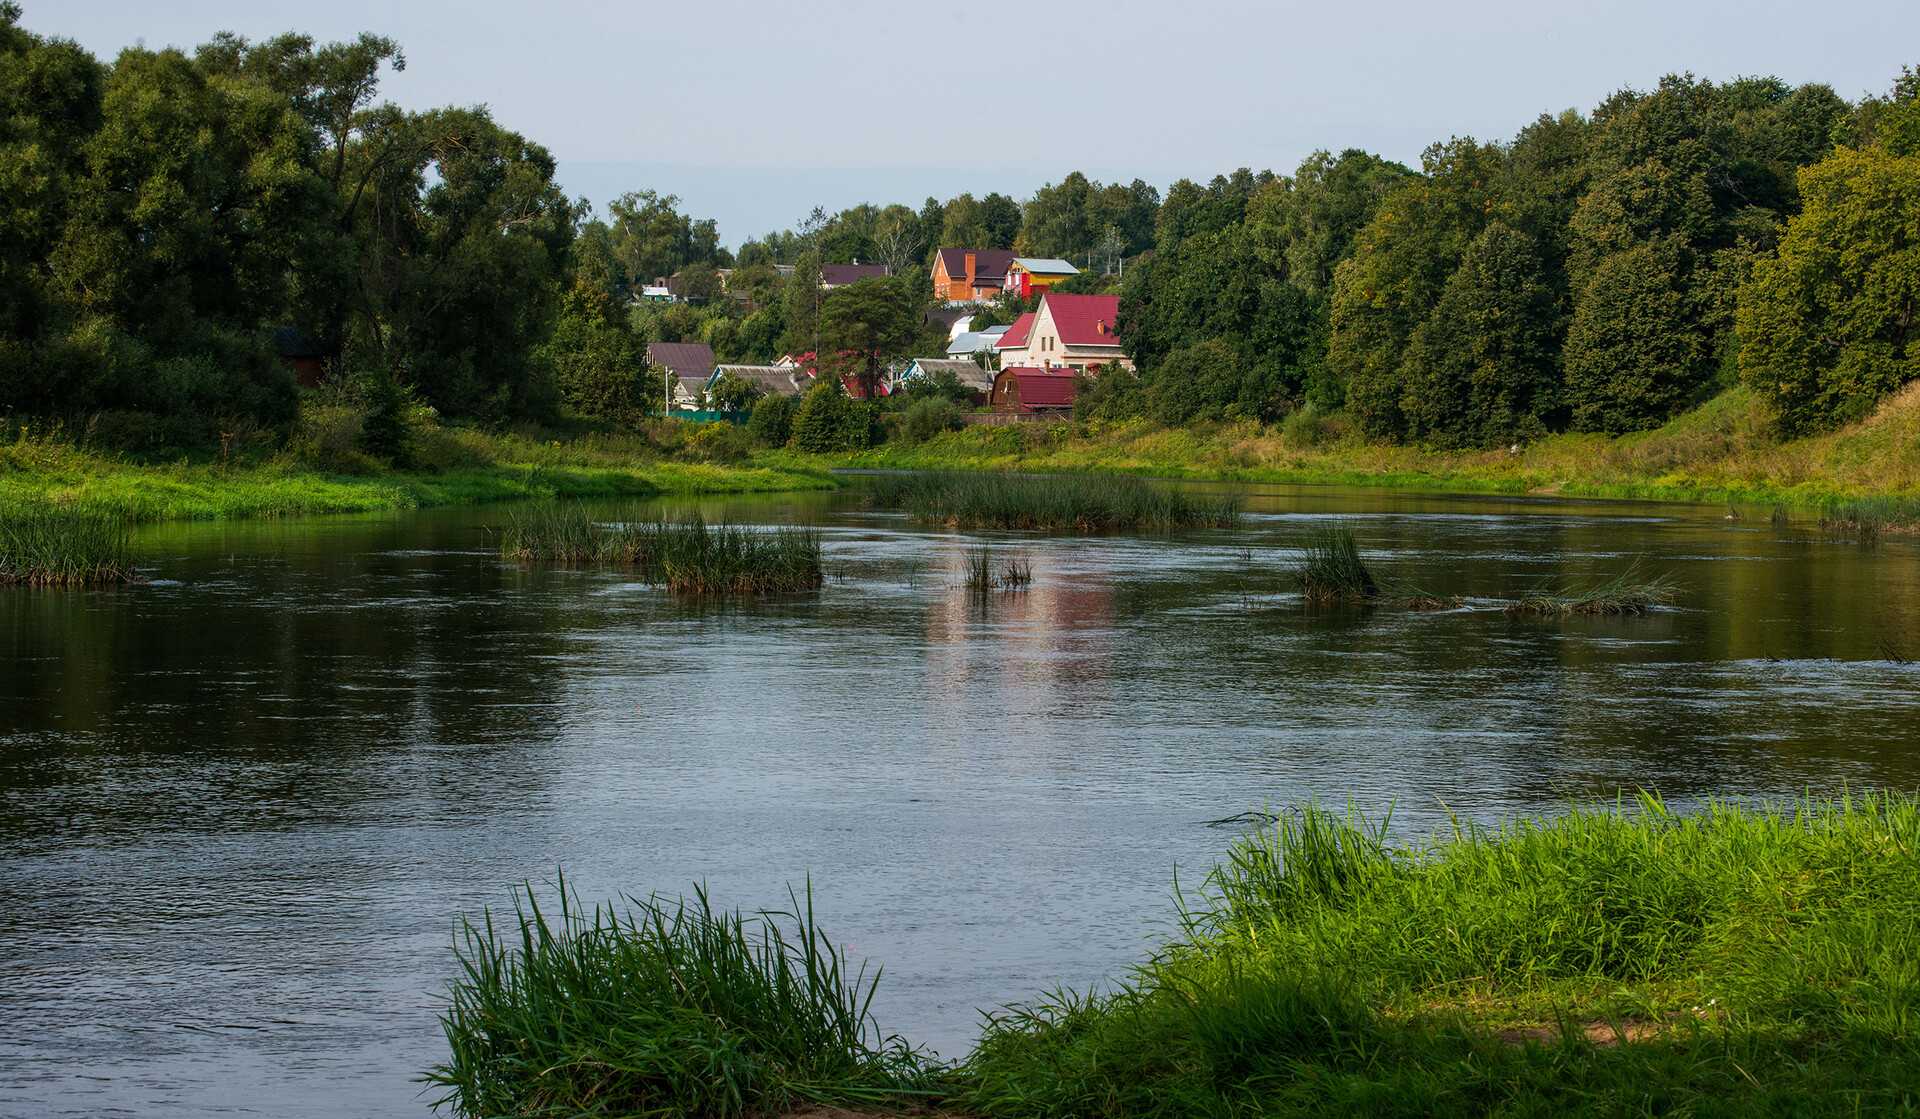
(1025, 389)
(1030, 276)
(970, 275)
(1072, 332)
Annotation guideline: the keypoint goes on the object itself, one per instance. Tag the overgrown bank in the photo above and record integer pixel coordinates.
(1624, 961)
(1721, 451)
(450, 467)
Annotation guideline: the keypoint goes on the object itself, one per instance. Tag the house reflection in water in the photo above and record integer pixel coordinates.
(1043, 649)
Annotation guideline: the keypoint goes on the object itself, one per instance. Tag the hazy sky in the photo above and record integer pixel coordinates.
(754, 111)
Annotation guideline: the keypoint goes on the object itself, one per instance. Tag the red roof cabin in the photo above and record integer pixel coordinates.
(1024, 389)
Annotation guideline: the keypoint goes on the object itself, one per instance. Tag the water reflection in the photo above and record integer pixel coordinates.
(243, 804)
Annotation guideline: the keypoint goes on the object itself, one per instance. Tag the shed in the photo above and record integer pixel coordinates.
(301, 353)
(1026, 389)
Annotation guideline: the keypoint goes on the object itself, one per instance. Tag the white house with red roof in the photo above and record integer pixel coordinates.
(1074, 332)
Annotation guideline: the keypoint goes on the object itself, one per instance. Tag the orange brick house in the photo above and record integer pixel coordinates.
(970, 274)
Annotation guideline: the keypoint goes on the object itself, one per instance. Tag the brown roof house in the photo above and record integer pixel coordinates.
(1023, 389)
(970, 275)
(692, 365)
(773, 380)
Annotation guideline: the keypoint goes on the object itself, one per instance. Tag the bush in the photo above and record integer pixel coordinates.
(829, 420)
(772, 420)
(926, 418)
(1304, 427)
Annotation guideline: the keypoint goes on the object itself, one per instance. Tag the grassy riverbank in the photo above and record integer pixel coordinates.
(1733, 961)
(1717, 452)
(455, 467)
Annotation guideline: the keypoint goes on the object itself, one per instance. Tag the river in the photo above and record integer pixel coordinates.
(243, 805)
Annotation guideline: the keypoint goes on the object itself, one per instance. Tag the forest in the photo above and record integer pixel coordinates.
(168, 218)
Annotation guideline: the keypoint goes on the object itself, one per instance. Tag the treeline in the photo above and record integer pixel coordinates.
(162, 214)
(1597, 273)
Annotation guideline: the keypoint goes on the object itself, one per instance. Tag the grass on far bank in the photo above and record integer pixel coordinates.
(1732, 961)
(1084, 503)
(450, 466)
(1719, 451)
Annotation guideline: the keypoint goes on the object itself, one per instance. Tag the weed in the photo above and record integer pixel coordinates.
(1081, 502)
(687, 557)
(53, 546)
(1331, 569)
(1630, 592)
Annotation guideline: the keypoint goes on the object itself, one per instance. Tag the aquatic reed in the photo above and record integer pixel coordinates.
(1630, 592)
(1330, 568)
(1080, 502)
(1865, 519)
(52, 546)
(687, 557)
(980, 574)
(662, 1008)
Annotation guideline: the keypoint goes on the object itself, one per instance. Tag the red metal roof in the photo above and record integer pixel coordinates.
(1016, 336)
(1041, 388)
(1084, 320)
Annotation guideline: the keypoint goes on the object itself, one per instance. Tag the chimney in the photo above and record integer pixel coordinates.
(970, 260)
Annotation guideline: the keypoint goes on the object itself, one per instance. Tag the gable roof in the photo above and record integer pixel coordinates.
(1084, 320)
(1040, 388)
(839, 275)
(969, 373)
(1045, 265)
(690, 361)
(1016, 335)
(774, 380)
(989, 265)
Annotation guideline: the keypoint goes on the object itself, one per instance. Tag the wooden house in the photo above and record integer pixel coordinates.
(1026, 389)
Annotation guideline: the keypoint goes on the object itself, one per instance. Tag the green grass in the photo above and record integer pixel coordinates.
(1082, 503)
(1331, 569)
(687, 557)
(1630, 592)
(63, 548)
(662, 1009)
(1633, 961)
(980, 574)
(1865, 518)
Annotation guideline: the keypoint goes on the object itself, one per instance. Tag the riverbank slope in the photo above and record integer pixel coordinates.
(1719, 451)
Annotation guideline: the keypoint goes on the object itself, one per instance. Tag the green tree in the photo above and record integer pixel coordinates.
(734, 393)
(772, 420)
(1829, 324)
(828, 420)
(1484, 367)
(866, 324)
(597, 362)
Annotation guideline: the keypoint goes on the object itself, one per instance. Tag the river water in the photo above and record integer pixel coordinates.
(243, 805)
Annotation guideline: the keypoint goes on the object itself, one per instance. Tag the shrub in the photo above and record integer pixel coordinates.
(772, 420)
(928, 417)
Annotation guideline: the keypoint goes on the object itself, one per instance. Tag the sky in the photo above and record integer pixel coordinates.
(755, 111)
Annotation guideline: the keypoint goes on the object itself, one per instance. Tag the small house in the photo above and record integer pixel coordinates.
(966, 372)
(970, 275)
(692, 365)
(1071, 331)
(975, 342)
(772, 380)
(1030, 276)
(1025, 389)
(840, 275)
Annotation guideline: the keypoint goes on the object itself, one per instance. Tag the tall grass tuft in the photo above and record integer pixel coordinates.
(1610, 960)
(1080, 502)
(980, 574)
(663, 1009)
(1331, 569)
(688, 557)
(1865, 519)
(1630, 592)
(56, 547)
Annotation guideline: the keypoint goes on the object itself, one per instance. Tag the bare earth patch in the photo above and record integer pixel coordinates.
(1600, 1032)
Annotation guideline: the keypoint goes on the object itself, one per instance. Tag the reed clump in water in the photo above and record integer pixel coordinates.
(55, 547)
(1330, 568)
(1729, 961)
(662, 1008)
(687, 557)
(1080, 502)
(980, 574)
(1630, 592)
(1865, 519)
